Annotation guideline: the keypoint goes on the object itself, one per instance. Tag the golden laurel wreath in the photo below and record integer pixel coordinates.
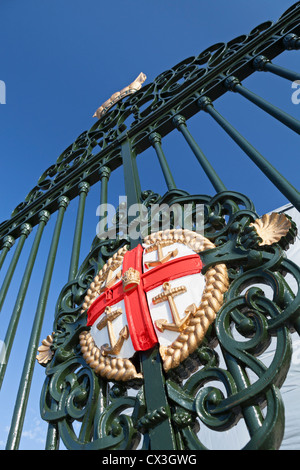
(216, 284)
(271, 228)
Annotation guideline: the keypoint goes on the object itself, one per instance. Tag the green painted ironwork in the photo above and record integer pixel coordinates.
(25, 231)
(185, 403)
(15, 317)
(84, 188)
(155, 140)
(24, 388)
(217, 183)
(165, 410)
(234, 84)
(263, 64)
(261, 162)
(167, 96)
(6, 246)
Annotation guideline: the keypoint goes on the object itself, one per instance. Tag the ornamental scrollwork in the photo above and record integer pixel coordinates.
(224, 381)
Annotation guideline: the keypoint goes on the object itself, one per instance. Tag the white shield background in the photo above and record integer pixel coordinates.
(194, 284)
(101, 337)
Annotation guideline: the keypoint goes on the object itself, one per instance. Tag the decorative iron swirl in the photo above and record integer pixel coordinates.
(92, 413)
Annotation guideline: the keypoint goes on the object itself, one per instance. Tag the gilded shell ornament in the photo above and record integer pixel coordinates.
(271, 228)
(45, 353)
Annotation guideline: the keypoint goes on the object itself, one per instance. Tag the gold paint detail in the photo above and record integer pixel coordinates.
(131, 279)
(271, 227)
(112, 368)
(158, 246)
(106, 321)
(110, 280)
(128, 90)
(199, 317)
(45, 353)
(107, 366)
(168, 295)
(104, 278)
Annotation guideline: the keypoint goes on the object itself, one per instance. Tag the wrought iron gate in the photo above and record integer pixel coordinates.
(211, 385)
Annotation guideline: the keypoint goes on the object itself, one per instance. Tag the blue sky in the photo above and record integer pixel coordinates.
(61, 59)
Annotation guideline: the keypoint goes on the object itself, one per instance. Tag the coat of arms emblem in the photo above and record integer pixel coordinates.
(153, 294)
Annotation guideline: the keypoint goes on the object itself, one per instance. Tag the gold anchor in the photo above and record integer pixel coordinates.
(168, 295)
(110, 280)
(115, 344)
(161, 258)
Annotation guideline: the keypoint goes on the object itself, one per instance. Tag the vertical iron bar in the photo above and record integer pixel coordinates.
(161, 435)
(180, 123)
(104, 177)
(263, 64)
(7, 244)
(272, 174)
(83, 190)
(233, 84)
(52, 440)
(252, 414)
(11, 331)
(131, 176)
(132, 182)
(25, 231)
(155, 140)
(25, 382)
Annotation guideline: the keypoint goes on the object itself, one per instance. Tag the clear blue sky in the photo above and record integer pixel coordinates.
(60, 59)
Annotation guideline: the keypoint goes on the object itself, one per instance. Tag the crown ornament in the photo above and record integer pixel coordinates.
(131, 279)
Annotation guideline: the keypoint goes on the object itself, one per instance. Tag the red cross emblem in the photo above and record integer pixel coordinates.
(152, 297)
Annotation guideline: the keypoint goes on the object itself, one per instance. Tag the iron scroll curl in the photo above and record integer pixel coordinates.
(246, 324)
